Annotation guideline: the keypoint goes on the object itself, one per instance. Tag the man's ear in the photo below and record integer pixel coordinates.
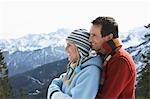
(109, 37)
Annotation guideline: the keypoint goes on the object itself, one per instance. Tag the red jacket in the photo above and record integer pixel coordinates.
(120, 77)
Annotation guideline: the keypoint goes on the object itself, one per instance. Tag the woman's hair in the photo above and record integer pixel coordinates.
(80, 38)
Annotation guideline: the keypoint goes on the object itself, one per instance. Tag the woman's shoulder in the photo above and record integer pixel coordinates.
(92, 61)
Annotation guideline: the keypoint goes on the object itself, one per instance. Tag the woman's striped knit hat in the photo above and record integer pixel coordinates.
(81, 39)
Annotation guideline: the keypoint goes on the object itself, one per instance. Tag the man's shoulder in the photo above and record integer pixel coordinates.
(122, 55)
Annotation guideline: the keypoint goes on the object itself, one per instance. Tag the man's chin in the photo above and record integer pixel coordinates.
(93, 48)
(97, 50)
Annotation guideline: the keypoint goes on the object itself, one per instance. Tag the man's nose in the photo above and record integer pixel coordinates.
(90, 39)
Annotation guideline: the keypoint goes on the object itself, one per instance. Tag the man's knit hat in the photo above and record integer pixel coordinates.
(80, 38)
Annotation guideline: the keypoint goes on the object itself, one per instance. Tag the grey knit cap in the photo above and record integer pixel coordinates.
(81, 39)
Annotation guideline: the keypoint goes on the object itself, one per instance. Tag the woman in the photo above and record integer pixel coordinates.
(81, 81)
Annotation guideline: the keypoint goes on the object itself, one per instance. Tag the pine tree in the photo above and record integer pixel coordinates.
(143, 85)
(22, 94)
(5, 88)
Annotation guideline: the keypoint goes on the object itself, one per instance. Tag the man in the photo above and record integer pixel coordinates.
(119, 71)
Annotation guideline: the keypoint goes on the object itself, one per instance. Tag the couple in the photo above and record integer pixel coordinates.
(110, 74)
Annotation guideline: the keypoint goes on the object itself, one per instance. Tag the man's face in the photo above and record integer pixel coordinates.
(96, 38)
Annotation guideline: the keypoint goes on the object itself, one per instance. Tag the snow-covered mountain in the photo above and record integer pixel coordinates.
(134, 37)
(36, 81)
(33, 42)
(137, 43)
(33, 50)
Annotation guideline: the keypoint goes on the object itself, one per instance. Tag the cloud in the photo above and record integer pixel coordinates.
(19, 18)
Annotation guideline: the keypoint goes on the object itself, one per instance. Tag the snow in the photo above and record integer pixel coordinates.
(35, 80)
(56, 40)
(43, 43)
(134, 53)
(33, 42)
(35, 93)
(136, 36)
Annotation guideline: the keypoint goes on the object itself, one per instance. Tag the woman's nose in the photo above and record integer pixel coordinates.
(66, 49)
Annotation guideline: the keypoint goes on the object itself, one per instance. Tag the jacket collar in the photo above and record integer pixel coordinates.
(111, 45)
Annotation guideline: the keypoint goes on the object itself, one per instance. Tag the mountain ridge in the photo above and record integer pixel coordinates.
(38, 85)
(33, 50)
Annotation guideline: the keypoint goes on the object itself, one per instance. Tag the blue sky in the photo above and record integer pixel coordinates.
(21, 17)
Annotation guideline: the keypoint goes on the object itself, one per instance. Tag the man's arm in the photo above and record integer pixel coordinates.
(118, 75)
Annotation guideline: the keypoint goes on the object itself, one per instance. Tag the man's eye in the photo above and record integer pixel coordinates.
(93, 35)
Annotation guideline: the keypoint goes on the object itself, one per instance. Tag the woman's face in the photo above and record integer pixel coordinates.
(72, 51)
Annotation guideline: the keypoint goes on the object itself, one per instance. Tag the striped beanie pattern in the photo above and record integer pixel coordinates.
(80, 38)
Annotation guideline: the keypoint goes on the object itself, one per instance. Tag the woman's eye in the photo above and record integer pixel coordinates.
(67, 45)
